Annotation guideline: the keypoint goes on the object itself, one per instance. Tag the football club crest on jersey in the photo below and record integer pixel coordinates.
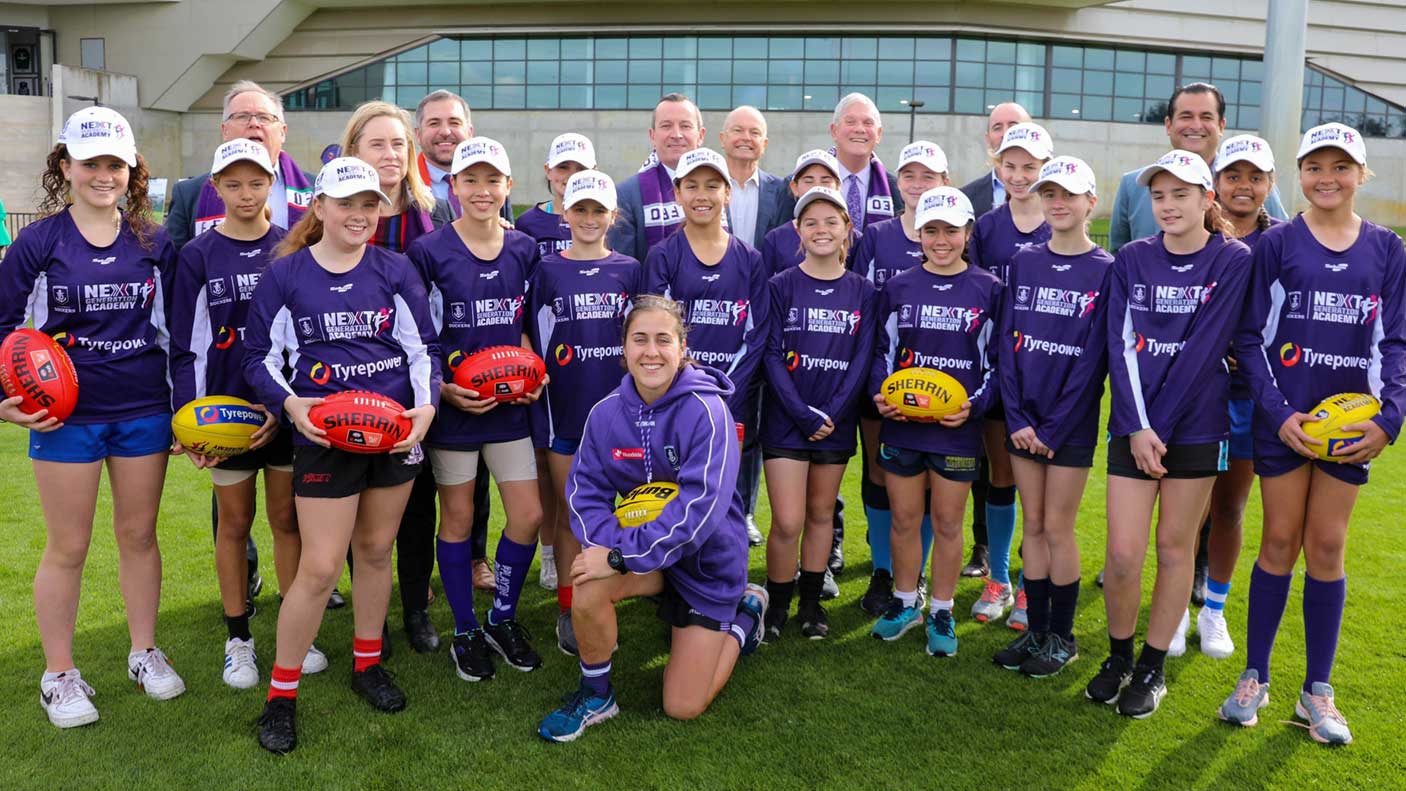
(305, 326)
(1140, 293)
(457, 311)
(672, 454)
(61, 294)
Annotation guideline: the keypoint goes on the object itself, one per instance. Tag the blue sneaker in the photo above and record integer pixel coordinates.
(897, 619)
(582, 708)
(942, 634)
(754, 600)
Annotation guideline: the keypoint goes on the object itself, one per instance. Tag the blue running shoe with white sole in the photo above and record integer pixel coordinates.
(1244, 704)
(755, 601)
(942, 634)
(1320, 714)
(582, 708)
(897, 619)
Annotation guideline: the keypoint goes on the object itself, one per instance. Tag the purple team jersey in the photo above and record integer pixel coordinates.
(781, 248)
(365, 329)
(884, 251)
(1170, 318)
(474, 304)
(577, 311)
(945, 322)
(817, 358)
(1054, 326)
(210, 298)
(107, 306)
(725, 305)
(995, 240)
(550, 230)
(1239, 385)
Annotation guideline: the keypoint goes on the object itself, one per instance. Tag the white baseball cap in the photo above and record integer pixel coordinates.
(1030, 136)
(947, 204)
(99, 131)
(238, 149)
(589, 185)
(1072, 173)
(572, 147)
(1334, 135)
(700, 158)
(344, 177)
(1185, 165)
(1244, 148)
(817, 156)
(481, 149)
(925, 153)
(819, 193)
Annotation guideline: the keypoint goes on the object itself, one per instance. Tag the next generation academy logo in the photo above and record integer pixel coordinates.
(1057, 301)
(1333, 307)
(345, 324)
(948, 318)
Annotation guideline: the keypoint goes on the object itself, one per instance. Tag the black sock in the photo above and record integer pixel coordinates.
(780, 595)
(1064, 599)
(1121, 646)
(238, 626)
(1037, 604)
(1152, 658)
(811, 583)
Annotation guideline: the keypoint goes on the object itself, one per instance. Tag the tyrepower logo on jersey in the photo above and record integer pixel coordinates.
(1292, 354)
(627, 454)
(320, 373)
(805, 362)
(838, 322)
(1029, 343)
(940, 317)
(99, 344)
(119, 296)
(715, 359)
(496, 311)
(907, 358)
(343, 324)
(1157, 348)
(718, 312)
(226, 336)
(1334, 307)
(1057, 301)
(566, 353)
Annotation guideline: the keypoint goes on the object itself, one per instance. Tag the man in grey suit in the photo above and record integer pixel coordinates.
(758, 197)
(985, 191)
(647, 211)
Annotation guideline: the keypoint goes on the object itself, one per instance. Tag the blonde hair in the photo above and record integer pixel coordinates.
(412, 189)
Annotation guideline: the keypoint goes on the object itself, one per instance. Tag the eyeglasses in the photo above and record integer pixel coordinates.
(265, 119)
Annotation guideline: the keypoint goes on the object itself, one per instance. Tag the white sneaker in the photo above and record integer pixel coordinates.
(241, 665)
(1178, 645)
(1215, 638)
(547, 571)
(154, 675)
(314, 662)
(65, 700)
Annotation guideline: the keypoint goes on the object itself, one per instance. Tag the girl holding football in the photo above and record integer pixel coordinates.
(95, 276)
(1333, 283)
(939, 315)
(1173, 301)
(816, 363)
(344, 316)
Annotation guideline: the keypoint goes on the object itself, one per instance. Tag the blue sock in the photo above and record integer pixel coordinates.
(455, 573)
(597, 677)
(512, 560)
(1216, 593)
(1000, 529)
(880, 523)
(927, 543)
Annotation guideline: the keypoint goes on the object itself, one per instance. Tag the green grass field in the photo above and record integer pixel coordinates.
(848, 712)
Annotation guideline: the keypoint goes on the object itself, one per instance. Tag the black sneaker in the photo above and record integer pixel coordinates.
(472, 660)
(1022, 648)
(1198, 585)
(256, 585)
(980, 563)
(1112, 677)
(421, 632)
(376, 685)
(1055, 652)
(1147, 689)
(773, 623)
(335, 601)
(880, 592)
(278, 732)
(510, 640)
(815, 624)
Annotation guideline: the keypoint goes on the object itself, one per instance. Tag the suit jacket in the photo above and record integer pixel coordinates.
(788, 206)
(773, 193)
(980, 192)
(180, 210)
(627, 234)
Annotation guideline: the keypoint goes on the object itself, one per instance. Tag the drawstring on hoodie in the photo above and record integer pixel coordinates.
(646, 427)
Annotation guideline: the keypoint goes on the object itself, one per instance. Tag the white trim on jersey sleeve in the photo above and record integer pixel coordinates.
(891, 329)
(158, 320)
(1374, 365)
(1271, 328)
(37, 308)
(201, 338)
(1131, 363)
(436, 308)
(407, 333)
(282, 338)
(983, 340)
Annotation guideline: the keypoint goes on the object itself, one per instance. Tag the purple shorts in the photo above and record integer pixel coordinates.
(1273, 458)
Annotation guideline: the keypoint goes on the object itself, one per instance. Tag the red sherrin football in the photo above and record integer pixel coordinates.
(34, 367)
(504, 373)
(359, 421)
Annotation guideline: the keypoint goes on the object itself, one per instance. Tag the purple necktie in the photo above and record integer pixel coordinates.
(855, 202)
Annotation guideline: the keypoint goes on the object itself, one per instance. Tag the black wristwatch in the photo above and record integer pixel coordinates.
(616, 559)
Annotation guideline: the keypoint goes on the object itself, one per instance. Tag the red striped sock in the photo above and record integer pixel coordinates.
(365, 653)
(284, 682)
(564, 597)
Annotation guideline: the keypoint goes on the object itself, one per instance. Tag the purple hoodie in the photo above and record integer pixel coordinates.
(687, 436)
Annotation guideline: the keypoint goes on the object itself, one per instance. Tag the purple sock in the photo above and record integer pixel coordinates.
(1322, 621)
(455, 572)
(597, 677)
(1037, 604)
(512, 561)
(1269, 593)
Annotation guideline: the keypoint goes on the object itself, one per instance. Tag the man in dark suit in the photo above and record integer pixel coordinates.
(647, 211)
(758, 197)
(985, 191)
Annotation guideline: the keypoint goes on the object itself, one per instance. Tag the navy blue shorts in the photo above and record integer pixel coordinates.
(564, 446)
(1274, 458)
(89, 442)
(1242, 438)
(908, 463)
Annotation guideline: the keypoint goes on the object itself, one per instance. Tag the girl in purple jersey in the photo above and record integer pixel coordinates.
(95, 276)
(214, 284)
(1173, 302)
(886, 249)
(816, 362)
(578, 300)
(568, 155)
(997, 237)
(665, 422)
(781, 247)
(939, 315)
(1325, 316)
(1053, 320)
(477, 273)
(343, 315)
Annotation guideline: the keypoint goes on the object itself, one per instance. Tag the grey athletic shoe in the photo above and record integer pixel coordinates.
(1321, 716)
(566, 635)
(1244, 704)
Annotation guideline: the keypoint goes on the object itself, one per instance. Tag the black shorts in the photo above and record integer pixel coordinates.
(1195, 460)
(673, 610)
(908, 463)
(278, 453)
(330, 473)
(1067, 456)
(811, 456)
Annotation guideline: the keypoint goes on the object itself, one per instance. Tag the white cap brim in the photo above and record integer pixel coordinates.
(102, 148)
(263, 164)
(808, 161)
(818, 194)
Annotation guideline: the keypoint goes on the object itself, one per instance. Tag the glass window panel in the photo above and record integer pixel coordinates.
(928, 72)
(1225, 68)
(1030, 78)
(444, 75)
(715, 97)
(935, 100)
(644, 71)
(578, 70)
(611, 48)
(934, 48)
(1130, 60)
(1127, 110)
(412, 73)
(444, 49)
(391, 70)
(754, 95)
(749, 72)
(1000, 76)
(1231, 91)
(1154, 112)
(610, 72)
(785, 72)
(542, 96)
(971, 49)
(891, 100)
(859, 48)
(476, 49)
(1159, 87)
(822, 71)
(543, 49)
(681, 47)
(509, 72)
(376, 73)
(644, 97)
(714, 47)
(1249, 117)
(1000, 51)
(1068, 57)
(1030, 54)
(679, 71)
(409, 95)
(1067, 80)
(784, 97)
(352, 95)
(1333, 99)
(1033, 101)
(478, 96)
(1161, 63)
(715, 71)
(1251, 69)
(1098, 82)
(1376, 106)
(749, 47)
(968, 101)
(788, 47)
(822, 47)
(686, 88)
(645, 48)
(1098, 58)
(509, 96)
(509, 48)
(1355, 101)
(1125, 84)
(575, 97)
(971, 75)
(610, 97)
(1195, 68)
(1313, 98)
(1064, 105)
(896, 72)
(413, 54)
(576, 48)
(863, 71)
(352, 79)
(1232, 117)
(867, 90)
(1096, 108)
(895, 48)
(542, 72)
(821, 97)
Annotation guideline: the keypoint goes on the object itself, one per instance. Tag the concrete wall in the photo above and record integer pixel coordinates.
(27, 142)
(158, 132)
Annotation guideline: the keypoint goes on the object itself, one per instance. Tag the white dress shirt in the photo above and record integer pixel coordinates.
(744, 204)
